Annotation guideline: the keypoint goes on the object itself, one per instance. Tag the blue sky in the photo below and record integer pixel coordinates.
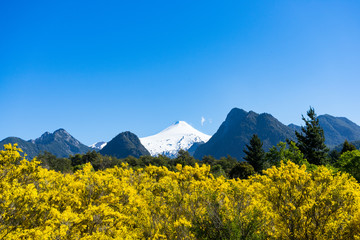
(97, 68)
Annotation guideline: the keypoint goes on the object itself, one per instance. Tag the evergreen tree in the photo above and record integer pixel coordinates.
(311, 141)
(184, 158)
(333, 156)
(242, 170)
(347, 147)
(255, 154)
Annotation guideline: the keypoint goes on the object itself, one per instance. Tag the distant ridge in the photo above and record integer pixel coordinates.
(336, 129)
(236, 131)
(60, 143)
(230, 139)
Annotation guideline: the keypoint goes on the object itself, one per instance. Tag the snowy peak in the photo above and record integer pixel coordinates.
(98, 145)
(181, 128)
(180, 135)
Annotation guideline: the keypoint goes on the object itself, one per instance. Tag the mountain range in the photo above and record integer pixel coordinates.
(236, 131)
(239, 126)
(230, 139)
(336, 129)
(60, 143)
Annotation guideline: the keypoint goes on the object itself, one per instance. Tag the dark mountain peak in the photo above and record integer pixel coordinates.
(266, 115)
(126, 136)
(60, 143)
(236, 113)
(61, 131)
(60, 135)
(252, 116)
(236, 131)
(123, 145)
(45, 137)
(63, 134)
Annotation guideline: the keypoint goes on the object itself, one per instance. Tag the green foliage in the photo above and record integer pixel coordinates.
(255, 154)
(311, 141)
(217, 171)
(220, 167)
(242, 170)
(285, 202)
(227, 163)
(216, 227)
(77, 160)
(104, 162)
(333, 157)
(350, 162)
(50, 161)
(184, 158)
(210, 160)
(347, 147)
(284, 152)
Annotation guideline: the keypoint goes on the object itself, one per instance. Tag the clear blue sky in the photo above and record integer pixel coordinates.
(100, 68)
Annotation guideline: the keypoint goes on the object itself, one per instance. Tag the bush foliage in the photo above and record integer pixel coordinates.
(187, 202)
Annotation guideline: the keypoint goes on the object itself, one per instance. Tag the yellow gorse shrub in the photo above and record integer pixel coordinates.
(286, 202)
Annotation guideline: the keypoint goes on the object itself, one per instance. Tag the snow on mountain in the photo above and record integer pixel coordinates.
(98, 145)
(178, 136)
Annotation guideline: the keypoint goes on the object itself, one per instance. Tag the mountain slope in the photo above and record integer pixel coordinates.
(123, 145)
(178, 136)
(60, 143)
(28, 147)
(336, 129)
(236, 131)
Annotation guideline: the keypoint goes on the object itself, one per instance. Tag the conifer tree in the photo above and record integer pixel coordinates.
(347, 147)
(311, 140)
(255, 154)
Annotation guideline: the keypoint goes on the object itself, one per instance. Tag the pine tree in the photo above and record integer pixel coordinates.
(255, 154)
(311, 141)
(347, 147)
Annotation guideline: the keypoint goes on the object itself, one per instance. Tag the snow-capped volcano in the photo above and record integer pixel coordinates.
(98, 145)
(178, 136)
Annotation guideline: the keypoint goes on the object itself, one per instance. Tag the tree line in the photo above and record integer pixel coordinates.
(309, 149)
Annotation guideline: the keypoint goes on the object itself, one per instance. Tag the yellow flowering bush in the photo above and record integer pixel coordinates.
(285, 202)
